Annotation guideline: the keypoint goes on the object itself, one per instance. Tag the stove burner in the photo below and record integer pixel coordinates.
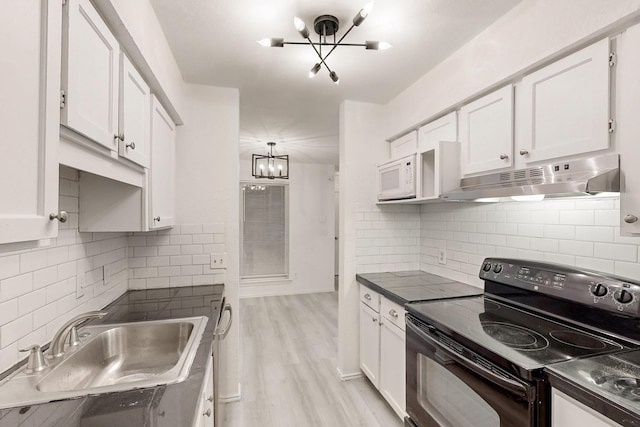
(577, 339)
(515, 336)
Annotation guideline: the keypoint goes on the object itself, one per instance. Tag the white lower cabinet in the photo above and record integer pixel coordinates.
(204, 411)
(382, 347)
(568, 412)
(370, 344)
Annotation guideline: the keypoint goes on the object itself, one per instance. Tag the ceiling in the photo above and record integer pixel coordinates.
(214, 43)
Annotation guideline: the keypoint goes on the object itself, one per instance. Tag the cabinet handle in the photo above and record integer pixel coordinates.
(210, 398)
(207, 413)
(367, 297)
(523, 152)
(62, 216)
(132, 145)
(630, 219)
(157, 218)
(393, 313)
(119, 136)
(374, 320)
(503, 156)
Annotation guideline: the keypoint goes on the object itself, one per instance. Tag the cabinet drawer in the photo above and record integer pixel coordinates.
(393, 312)
(370, 298)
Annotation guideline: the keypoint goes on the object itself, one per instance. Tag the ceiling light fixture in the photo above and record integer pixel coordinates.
(270, 166)
(327, 25)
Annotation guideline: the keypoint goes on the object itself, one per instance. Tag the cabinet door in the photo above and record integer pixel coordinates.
(563, 109)
(135, 108)
(30, 36)
(162, 170)
(628, 129)
(405, 145)
(566, 411)
(370, 344)
(443, 129)
(392, 366)
(486, 132)
(91, 83)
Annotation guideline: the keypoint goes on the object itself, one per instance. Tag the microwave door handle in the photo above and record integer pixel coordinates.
(451, 357)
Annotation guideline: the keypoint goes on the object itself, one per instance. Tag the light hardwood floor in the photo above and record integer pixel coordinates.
(288, 369)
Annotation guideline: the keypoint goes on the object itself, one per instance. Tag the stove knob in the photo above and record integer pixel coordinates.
(623, 297)
(486, 266)
(599, 290)
(497, 268)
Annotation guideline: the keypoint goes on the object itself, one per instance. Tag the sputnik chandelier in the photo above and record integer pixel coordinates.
(324, 26)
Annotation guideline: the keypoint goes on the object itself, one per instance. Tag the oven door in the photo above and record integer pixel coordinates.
(446, 387)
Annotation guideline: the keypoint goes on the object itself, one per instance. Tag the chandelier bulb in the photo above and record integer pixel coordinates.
(364, 12)
(301, 27)
(334, 77)
(384, 46)
(314, 70)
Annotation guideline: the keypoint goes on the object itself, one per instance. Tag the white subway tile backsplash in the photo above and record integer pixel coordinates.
(576, 217)
(616, 252)
(573, 247)
(608, 217)
(32, 301)
(16, 286)
(580, 232)
(13, 331)
(559, 231)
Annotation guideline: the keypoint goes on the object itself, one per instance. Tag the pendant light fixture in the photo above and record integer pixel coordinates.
(327, 25)
(270, 166)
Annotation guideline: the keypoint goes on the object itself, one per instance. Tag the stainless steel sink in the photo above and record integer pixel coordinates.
(112, 358)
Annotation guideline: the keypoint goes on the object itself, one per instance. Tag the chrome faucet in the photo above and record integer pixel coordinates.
(69, 329)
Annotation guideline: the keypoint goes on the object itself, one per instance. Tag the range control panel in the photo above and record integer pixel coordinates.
(587, 287)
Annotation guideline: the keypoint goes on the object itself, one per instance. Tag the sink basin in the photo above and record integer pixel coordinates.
(112, 358)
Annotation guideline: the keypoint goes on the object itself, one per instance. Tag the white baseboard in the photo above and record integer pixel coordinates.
(349, 377)
(232, 397)
(253, 292)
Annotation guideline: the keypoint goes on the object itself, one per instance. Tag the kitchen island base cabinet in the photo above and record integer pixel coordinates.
(568, 412)
(382, 347)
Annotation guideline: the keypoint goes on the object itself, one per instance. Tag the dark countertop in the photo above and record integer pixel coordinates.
(163, 406)
(404, 287)
(608, 384)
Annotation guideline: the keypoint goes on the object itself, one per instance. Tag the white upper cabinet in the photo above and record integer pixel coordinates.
(627, 98)
(486, 132)
(135, 101)
(90, 80)
(30, 36)
(563, 109)
(443, 129)
(162, 171)
(405, 145)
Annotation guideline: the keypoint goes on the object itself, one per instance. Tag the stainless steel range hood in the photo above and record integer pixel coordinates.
(569, 178)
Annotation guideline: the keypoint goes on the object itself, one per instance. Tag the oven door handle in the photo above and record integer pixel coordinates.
(445, 356)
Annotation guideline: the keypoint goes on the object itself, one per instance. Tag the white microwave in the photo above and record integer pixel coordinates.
(397, 179)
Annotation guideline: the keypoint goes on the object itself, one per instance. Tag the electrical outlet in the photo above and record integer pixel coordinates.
(80, 283)
(219, 260)
(442, 256)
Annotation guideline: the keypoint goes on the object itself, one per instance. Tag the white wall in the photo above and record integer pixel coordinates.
(311, 231)
(360, 149)
(38, 286)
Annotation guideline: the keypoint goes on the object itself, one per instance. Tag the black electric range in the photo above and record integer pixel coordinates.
(495, 347)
